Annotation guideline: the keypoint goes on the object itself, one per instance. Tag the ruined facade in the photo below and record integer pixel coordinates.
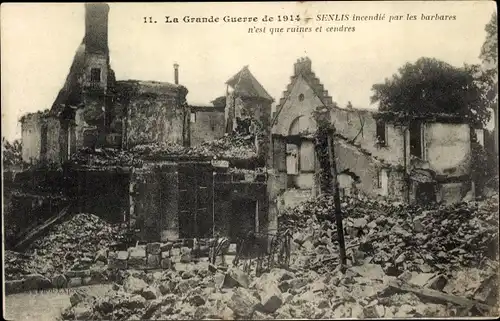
(206, 123)
(429, 159)
(92, 109)
(248, 109)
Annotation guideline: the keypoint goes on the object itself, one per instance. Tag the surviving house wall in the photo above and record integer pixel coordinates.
(293, 108)
(53, 130)
(370, 172)
(208, 124)
(360, 127)
(154, 115)
(448, 148)
(31, 137)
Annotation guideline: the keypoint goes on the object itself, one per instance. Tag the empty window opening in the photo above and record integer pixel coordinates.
(292, 159)
(383, 182)
(416, 140)
(95, 74)
(193, 117)
(381, 133)
(301, 97)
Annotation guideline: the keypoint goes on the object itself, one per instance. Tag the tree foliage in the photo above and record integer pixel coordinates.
(489, 53)
(430, 86)
(489, 58)
(219, 101)
(12, 152)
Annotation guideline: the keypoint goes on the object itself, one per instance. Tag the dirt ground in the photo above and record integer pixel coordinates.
(46, 305)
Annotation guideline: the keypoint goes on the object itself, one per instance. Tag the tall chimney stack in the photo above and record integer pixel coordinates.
(176, 73)
(96, 27)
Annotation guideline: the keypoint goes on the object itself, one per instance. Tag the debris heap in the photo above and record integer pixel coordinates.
(66, 246)
(384, 278)
(399, 237)
(227, 147)
(201, 291)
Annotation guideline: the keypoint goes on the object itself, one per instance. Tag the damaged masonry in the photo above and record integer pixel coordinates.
(134, 204)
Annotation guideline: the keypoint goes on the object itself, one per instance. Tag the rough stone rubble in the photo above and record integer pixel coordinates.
(71, 245)
(227, 147)
(384, 278)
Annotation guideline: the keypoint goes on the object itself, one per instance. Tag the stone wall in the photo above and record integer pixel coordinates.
(208, 124)
(360, 127)
(448, 148)
(163, 255)
(294, 107)
(31, 137)
(155, 113)
(52, 147)
(349, 157)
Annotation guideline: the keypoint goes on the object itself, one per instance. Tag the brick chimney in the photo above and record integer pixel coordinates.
(303, 65)
(176, 73)
(96, 27)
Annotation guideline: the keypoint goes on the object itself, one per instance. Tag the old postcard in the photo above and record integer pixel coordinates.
(260, 160)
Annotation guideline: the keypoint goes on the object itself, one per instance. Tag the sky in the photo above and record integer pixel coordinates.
(39, 42)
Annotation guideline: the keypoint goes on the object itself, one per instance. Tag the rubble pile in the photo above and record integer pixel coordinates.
(71, 245)
(104, 157)
(383, 278)
(399, 237)
(227, 147)
(203, 291)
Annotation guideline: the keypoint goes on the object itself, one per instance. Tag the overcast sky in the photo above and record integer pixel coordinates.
(40, 40)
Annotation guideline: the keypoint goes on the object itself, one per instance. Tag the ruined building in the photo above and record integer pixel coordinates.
(248, 108)
(434, 153)
(168, 189)
(94, 110)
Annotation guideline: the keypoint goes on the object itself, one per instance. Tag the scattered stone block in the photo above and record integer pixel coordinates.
(82, 312)
(188, 243)
(135, 302)
(243, 303)
(374, 311)
(153, 261)
(175, 252)
(271, 298)
(197, 300)
(137, 258)
(149, 293)
(185, 250)
(437, 283)
(166, 263)
(232, 249)
(181, 267)
(134, 285)
(153, 248)
(74, 282)
(59, 281)
(420, 279)
(76, 298)
(14, 286)
(185, 258)
(122, 255)
(487, 292)
(79, 274)
(114, 263)
(166, 247)
(88, 281)
(165, 254)
(101, 256)
(235, 278)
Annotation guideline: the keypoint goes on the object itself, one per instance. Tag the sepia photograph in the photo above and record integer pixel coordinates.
(250, 160)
